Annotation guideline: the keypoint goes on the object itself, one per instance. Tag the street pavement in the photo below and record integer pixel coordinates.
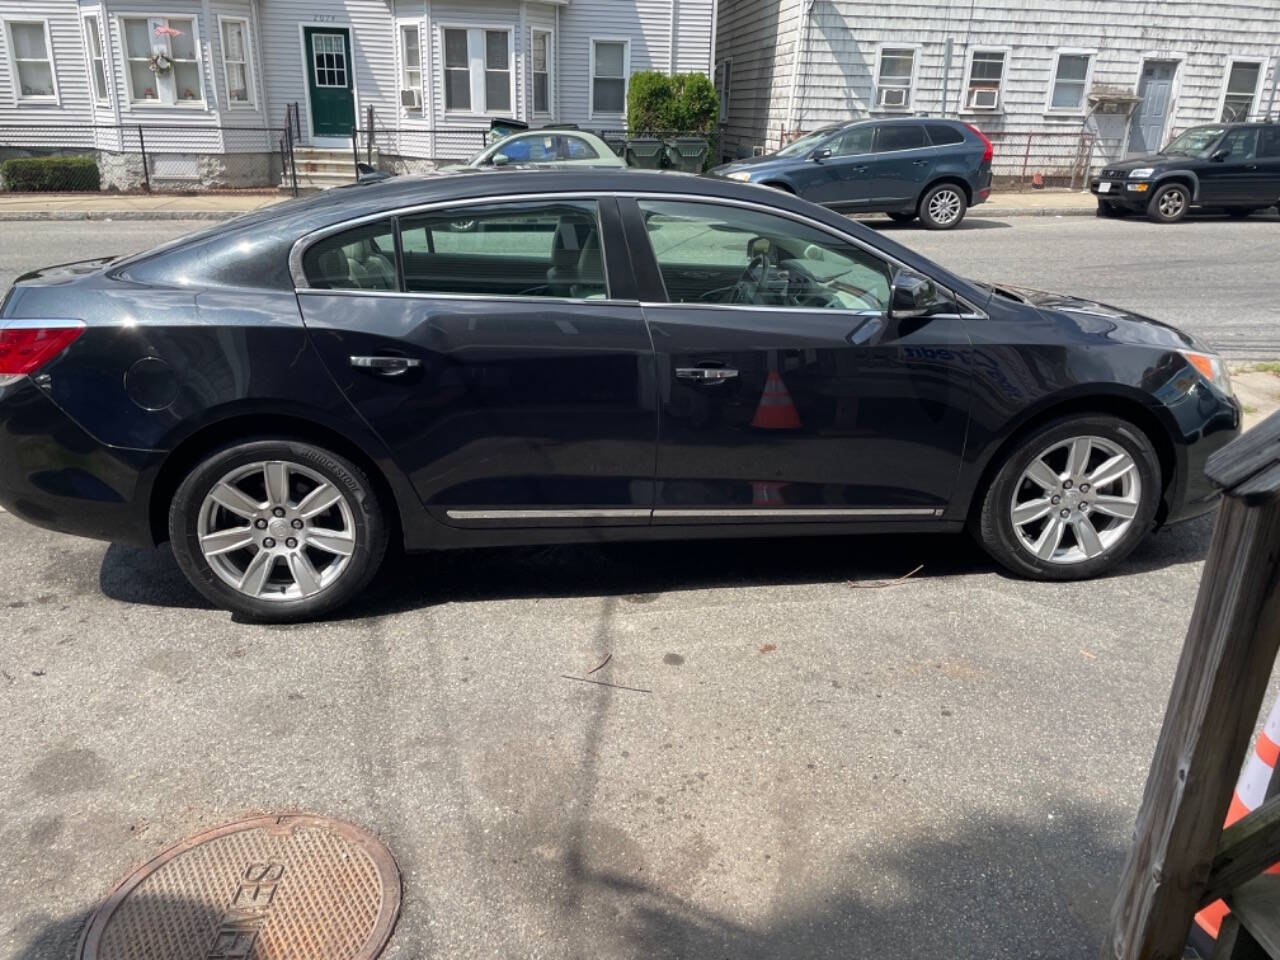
(812, 763)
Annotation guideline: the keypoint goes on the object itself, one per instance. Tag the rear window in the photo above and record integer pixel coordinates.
(941, 134)
(899, 136)
(359, 259)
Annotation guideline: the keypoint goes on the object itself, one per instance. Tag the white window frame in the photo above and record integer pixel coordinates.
(18, 96)
(968, 78)
(1079, 111)
(550, 72)
(250, 79)
(95, 17)
(591, 75)
(1262, 63)
(477, 65)
(723, 83)
(402, 67)
(911, 86)
(160, 103)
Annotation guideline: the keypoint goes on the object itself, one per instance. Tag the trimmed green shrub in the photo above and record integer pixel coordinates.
(51, 173)
(660, 103)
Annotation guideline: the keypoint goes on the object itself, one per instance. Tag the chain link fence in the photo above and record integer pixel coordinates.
(1066, 159)
(142, 157)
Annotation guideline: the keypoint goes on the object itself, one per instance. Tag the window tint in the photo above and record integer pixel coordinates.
(853, 143)
(1240, 144)
(899, 136)
(535, 249)
(1269, 142)
(941, 134)
(712, 253)
(359, 259)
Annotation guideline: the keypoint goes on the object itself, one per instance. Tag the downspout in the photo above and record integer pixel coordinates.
(428, 49)
(671, 58)
(802, 34)
(555, 76)
(259, 71)
(1275, 82)
(715, 19)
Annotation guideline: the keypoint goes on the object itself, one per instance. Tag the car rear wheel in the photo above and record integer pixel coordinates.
(902, 217)
(277, 530)
(942, 207)
(1072, 499)
(1170, 203)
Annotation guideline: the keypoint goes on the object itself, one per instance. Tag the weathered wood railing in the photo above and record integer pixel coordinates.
(1181, 858)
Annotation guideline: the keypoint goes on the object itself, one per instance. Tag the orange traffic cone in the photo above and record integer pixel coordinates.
(765, 493)
(1251, 790)
(776, 411)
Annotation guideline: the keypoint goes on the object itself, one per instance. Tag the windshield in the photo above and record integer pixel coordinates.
(1193, 142)
(807, 142)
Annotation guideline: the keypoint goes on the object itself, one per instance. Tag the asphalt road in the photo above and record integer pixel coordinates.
(820, 765)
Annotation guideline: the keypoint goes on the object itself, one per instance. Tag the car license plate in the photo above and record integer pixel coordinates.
(1104, 186)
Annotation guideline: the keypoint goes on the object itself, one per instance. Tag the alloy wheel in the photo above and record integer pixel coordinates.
(944, 206)
(1076, 499)
(276, 530)
(1172, 203)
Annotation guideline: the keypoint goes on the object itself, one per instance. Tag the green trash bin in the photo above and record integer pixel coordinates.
(646, 153)
(687, 154)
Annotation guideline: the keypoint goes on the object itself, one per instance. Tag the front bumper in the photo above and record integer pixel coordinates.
(1205, 421)
(1126, 193)
(55, 475)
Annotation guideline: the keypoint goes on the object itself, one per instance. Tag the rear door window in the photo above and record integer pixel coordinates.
(943, 134)
(1241, 144)
(527, 249)
(360, 259)
(899, 136)
(578, 149)
(1269, 143)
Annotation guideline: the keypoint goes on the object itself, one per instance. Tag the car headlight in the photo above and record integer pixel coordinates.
(1211, 367)
(1141, 173)
(742, 175)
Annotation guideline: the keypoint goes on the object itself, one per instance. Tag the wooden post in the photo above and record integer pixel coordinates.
(1217, 693)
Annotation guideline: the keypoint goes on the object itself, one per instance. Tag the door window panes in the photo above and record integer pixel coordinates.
(720, 254)
(359, 259)
(899, 136)
(531, 249)
(330, 54)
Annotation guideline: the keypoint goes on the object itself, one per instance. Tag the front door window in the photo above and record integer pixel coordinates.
(330, 59)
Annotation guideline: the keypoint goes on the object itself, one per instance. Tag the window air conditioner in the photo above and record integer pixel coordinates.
(983, 98)
(893, 96)
(410, 99)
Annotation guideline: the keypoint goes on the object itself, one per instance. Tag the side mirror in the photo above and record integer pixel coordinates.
(911, 296)
(757, 247)
(1219, 155)
(819, 155)
(499, 159)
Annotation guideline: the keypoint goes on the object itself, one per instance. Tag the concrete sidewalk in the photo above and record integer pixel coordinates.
(223, 206)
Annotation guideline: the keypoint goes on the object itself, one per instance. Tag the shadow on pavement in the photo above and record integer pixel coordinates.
(968, 223)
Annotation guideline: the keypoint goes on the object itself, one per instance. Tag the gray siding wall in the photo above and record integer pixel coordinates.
(840, 47)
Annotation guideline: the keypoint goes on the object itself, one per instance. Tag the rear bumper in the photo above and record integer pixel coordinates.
(53, 474)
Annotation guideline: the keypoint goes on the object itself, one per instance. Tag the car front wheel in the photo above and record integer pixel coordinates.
(277, 530)
(1170, 203)
(1072, 499)
(942, 207)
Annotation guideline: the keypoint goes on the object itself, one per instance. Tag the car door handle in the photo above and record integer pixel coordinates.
(391, 366)
(706, 374)
(918, 163)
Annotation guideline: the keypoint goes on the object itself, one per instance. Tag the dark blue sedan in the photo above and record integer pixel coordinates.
(907, 168)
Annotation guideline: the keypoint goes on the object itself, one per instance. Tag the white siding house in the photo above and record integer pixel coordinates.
(435, 72)
(1033, 75)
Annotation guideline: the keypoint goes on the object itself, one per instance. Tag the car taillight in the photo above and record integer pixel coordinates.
(27, 345)
(990, 150)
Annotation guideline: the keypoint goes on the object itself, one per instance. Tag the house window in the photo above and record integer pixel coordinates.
(541, 71)
(235, 61)
(724, 75)
(1070, 82)
(97, 62)
(893, 77)
(477, 69)
(609, 71)
(29, 56)
(171, 43)
(986, 73)
(410, 67)
(1241, 89)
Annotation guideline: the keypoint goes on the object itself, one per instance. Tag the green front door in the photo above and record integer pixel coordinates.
(333, 107)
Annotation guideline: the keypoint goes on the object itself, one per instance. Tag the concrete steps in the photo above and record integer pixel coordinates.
(320, 168)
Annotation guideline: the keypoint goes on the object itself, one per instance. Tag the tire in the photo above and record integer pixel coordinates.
(313, 563)
(1239, 212)
(902, 217)
(942, 207)
(1131, 498)
(1169, 203)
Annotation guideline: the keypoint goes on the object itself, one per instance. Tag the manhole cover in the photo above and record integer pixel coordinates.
(270, 888)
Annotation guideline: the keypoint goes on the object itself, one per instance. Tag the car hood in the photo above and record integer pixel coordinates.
(748, 163)
(1147, 160)
(1101, 319)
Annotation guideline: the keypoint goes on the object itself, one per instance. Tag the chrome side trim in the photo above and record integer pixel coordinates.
(778, 513)
(42, 323)
(602, 514)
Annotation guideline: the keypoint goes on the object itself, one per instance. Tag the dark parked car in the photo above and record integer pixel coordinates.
(598, 356)
(1234, 167)
(907, 168)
